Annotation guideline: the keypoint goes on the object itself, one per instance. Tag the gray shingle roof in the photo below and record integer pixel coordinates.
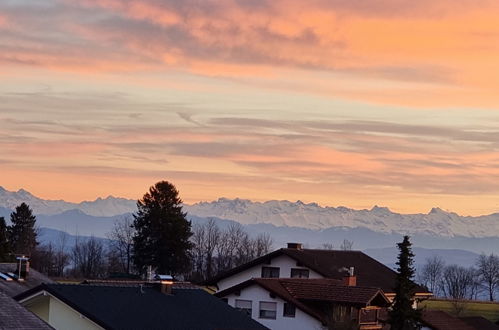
(13, 288)
(14, 316)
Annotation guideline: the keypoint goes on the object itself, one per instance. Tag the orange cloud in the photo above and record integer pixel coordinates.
(261, 79)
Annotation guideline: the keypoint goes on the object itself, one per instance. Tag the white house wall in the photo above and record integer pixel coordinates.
(255, 293)
(284, 263)
(61, 316)
(40, 307)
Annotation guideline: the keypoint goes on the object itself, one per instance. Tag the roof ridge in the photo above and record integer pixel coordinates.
(328, 250)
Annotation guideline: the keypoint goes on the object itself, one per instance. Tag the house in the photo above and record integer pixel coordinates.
(14, 281)
(297, 262)
(124, 306)
(14, 316)
(295, 303)
(440, 320)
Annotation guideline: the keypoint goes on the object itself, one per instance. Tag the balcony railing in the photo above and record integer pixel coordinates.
(369, 315)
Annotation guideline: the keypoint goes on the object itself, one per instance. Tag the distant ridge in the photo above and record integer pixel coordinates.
(436, 222)
(107, 207)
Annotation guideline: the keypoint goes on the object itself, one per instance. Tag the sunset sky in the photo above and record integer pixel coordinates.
(352, 103)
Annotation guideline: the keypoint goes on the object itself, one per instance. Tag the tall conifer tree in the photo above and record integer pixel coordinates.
(22, 233)
(4, 243)
(162, 231)
(403, 316)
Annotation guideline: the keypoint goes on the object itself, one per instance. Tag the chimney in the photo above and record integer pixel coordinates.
(165, 283)
(350, 279)
(296, 246)
(22, 270)
(165, 287)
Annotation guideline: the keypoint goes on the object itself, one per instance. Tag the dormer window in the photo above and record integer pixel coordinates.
(300, 273)
(270, 272)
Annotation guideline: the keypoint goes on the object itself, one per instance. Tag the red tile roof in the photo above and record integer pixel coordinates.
(333, 291)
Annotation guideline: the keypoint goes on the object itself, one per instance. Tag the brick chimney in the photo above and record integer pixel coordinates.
(350, 279)
(166, 287)
(165, 283)
(296, 246)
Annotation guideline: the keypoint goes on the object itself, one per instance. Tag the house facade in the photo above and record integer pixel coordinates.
(270, 310)
(297, 288)
(287, 304)
(297, 262)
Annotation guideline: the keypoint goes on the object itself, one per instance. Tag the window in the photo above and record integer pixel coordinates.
(270, 272)
(244, 306)
(268, 310)
(289, 310)
(299, 273)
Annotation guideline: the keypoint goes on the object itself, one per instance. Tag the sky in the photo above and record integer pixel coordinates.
(352, 103)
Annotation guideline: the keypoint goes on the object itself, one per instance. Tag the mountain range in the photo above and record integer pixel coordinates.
(376, 230)
(101, 207)
(437, 222)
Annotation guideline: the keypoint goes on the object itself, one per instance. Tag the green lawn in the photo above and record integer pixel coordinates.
(489, 310)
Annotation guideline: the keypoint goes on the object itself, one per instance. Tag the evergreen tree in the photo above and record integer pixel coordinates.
(162, 232)
(4, 243)
(22, 234)
(403, 316)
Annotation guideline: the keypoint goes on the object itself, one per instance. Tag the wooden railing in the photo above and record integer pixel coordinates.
(369, 315)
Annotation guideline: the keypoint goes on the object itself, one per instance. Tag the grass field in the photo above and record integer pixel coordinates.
(488, 310)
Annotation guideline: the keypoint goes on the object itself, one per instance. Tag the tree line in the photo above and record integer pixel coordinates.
(461, 283)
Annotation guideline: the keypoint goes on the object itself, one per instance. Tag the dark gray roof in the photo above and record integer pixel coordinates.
(331, 264)
(14, 316)
(145, 307)
(13, 288)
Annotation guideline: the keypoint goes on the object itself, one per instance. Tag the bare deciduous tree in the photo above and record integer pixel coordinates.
(216, 250)
(346, 245)
(431, 274)
(52, 259)
(121, 237)
(198, 241)
(263, 244)
(61, 258)
(488, 270)
(458, 282)
(327, 246)
(88, 258)
(212, 236)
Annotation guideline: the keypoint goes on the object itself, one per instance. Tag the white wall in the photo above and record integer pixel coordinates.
(40, 307)
(284, 262)
(59, 315)
(255, 293)
(64, 317)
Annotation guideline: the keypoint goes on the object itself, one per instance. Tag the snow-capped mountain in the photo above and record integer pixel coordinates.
(379, 219)
(436, 223)
(106, 207)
